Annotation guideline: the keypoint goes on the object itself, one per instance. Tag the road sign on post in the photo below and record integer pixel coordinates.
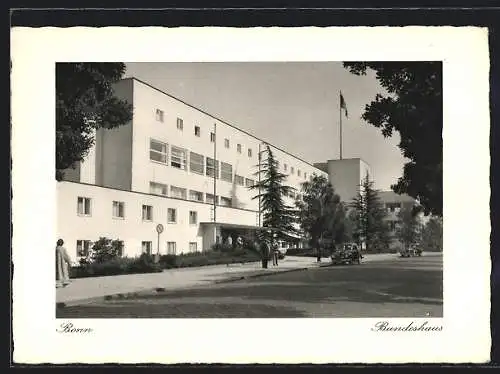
(159, 230)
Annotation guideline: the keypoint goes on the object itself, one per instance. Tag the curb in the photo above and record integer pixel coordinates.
(160, 290)
(234, 279)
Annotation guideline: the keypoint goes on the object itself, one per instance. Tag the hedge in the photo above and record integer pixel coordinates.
(307, 252)
(145, 263)
(117, 266)
(213, 257)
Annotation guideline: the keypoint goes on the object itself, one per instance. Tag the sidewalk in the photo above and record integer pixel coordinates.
(86, 289)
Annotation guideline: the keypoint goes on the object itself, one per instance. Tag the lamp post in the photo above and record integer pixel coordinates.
(259, 165)
(321, 208)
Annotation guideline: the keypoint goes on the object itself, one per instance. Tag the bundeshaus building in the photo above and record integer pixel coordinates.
(175, 179)
(166, 167)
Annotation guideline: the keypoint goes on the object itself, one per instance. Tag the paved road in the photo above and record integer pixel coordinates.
(410, 287)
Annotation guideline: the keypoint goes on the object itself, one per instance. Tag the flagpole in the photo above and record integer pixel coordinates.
(340, 118)
(259, 158)
(215, 182)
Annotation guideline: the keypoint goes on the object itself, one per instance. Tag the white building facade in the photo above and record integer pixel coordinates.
(346, 175)
(159, 169)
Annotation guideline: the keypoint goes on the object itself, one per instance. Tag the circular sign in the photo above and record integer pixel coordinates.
(159, 228)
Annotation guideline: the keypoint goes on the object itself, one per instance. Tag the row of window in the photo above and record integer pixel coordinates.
(160, 117)
(199, 164)
(83, 247)
(161, 189)
(197, 132)
(118, 211)
(393, 207)
(393, 225)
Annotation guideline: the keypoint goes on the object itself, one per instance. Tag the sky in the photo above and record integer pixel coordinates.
(292, 105)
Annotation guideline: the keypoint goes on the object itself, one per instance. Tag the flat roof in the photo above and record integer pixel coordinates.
(350, 158)
(219, 119)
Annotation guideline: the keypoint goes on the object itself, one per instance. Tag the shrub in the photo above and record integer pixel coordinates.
(145, 264)
(117, 266)
(105, 250)
(221, 247)
(168, 261)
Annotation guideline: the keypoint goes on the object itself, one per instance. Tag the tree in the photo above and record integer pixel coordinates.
(276, 214)
(408, 231)
(320, 212)
(369, 217)
(414, 108)
(432, 235)
(105, 250)
(85, 102)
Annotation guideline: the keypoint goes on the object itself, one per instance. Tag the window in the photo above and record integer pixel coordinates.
(226, 143)
(193, 217)
(158, 188)
(147, 247)
(83, 248)
(118, 209)
(249, 151)
(193, 247)
(225, 201)
(210, 198)
(178, 157)
(197, 131)
(393, 207)
(83, 206)
(212, 137)
(195, 195)
(178, 192)
(180, 124)
(159, 115)
(240, 181)
(392, 225)
(212, 167)
(147, 213)
(298, 172)
(226, 172)
(196, 163)
(285, 167)
(157, 151)
(249, 182)
(171, 248)
(238, 148)
(172, 215)
(305, 175)
(292, 170)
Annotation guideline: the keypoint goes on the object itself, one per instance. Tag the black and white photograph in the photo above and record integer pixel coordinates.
(261, 193)
(309, 174)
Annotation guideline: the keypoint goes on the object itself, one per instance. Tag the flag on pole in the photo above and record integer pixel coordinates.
(343, 104)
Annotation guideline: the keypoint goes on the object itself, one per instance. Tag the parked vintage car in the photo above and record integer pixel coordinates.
(348, 253)
(410, 252)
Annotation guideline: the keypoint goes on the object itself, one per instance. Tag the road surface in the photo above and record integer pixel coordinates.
(398, 287)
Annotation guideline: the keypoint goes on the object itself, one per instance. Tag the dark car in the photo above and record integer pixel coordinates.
(346, 254)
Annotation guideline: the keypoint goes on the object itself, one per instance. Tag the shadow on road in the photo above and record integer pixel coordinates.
(274, 295)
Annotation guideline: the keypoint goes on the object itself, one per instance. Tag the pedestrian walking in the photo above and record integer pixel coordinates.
(264, 251)
(63, 262)
(276, 253)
